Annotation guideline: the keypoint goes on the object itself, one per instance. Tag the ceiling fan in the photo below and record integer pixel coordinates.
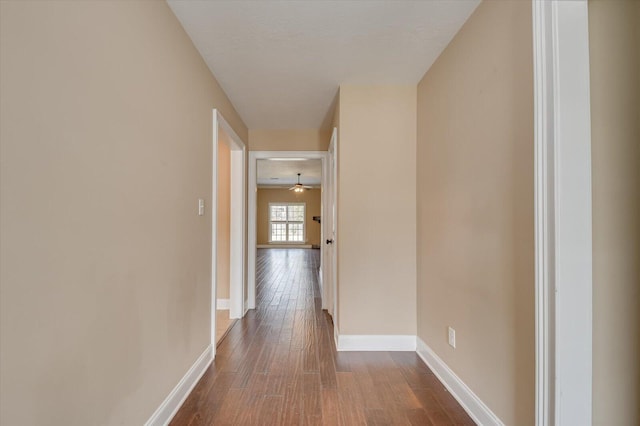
(298, 187)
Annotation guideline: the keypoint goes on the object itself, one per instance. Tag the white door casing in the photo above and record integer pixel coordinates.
(332, 228)
(325, 270)
(238, 223)
(254, 156)
(563, 259)
(327, 219)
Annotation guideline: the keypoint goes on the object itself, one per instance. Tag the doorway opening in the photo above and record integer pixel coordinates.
(228, 219)
(282, 230)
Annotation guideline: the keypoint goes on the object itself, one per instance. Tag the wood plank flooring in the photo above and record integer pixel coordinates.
(279, 365)
(223, 324)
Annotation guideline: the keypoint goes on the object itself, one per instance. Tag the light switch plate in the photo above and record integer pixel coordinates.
(452, 337)
(200, 206)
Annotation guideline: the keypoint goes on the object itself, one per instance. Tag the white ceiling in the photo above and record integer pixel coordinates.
(284, 172)
(281, 62)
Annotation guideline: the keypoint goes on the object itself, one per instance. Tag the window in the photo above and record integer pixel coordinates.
(286, 222)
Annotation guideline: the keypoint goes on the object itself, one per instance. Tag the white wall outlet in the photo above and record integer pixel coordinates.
(200, 206)
(452, 337)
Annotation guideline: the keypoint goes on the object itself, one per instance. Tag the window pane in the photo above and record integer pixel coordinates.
(286, 222)
(278, 213)
(278, 232)
(296, 213)
(296, 232)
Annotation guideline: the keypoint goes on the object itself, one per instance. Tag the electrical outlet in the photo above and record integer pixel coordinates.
(452, 337)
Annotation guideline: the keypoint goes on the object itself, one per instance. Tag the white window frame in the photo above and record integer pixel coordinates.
(304, 223)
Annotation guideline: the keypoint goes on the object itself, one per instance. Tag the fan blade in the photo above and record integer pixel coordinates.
(292, 188)
(307, 187)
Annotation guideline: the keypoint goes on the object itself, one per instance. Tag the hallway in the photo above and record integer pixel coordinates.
(279, 365)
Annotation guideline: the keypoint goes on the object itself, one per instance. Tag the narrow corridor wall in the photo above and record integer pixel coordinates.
(377, 210)
(475, 245)
(614, 39)
(223, 234)
(289, 139)
(106, 146)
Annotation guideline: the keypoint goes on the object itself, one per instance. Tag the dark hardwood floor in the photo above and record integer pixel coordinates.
(279, 365)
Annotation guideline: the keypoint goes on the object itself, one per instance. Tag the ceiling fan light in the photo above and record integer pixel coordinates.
(298, 187)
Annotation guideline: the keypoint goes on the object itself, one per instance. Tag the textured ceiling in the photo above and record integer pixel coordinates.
(281, 62)
(284, 173)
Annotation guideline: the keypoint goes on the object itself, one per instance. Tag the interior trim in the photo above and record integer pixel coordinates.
(354, 342)
(172, 403)
(472, 404)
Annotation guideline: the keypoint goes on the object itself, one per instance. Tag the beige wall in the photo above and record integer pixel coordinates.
(377, 210)
(311, 197)
(335, 120)
(289, 140)
(614, 35)
(105, 145)
(223, 236)
(475, 208)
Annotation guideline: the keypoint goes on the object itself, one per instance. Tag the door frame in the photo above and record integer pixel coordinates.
(332, 200)
(238, 217)
(563, 243)
(254, 156)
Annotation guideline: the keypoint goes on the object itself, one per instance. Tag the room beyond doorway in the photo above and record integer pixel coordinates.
(289, 203)
(280, 216)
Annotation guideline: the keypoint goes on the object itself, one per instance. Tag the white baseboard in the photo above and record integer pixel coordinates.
(276, 246)
(353, 342)
(223, 304)
(477, 410)
(175, 399)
